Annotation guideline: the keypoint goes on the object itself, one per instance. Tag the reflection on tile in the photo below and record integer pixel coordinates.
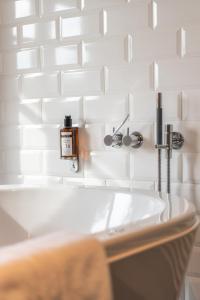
(22, 60)
(60, 56)
(24, 8)
(52, 6)
(39, 32)
(27, 59)
(18, 9)
(78, 26)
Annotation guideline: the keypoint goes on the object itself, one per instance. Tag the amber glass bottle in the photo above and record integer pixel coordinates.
(68, 140)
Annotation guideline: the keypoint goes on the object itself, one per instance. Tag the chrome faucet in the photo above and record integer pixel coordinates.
(116, 140)
(134, 140)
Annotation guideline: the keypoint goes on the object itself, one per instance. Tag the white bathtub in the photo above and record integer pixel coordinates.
(147, 239)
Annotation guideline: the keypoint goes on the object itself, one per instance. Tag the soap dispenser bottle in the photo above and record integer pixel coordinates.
(69, 140)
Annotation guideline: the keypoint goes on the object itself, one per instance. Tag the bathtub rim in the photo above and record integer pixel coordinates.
(146, 237)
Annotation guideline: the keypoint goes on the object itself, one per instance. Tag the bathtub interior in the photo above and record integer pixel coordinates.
(34, 211)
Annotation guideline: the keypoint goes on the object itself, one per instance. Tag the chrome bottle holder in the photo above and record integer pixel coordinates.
(74, 165)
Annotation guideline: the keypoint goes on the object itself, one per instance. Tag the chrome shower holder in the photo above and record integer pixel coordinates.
(176, 141)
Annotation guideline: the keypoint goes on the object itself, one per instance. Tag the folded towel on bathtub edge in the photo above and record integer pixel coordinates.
(55, 267)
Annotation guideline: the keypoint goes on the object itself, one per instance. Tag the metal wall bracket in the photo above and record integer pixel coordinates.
(73, 165)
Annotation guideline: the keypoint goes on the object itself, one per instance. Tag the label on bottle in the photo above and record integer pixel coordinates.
(66, 143)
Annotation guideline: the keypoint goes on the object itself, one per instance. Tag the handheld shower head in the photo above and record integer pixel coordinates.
(159, 120)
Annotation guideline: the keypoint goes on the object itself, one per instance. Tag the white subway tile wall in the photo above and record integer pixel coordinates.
(99, 60)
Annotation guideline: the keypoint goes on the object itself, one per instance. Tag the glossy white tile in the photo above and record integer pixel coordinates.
(84, 25)
(40, 137)
(105, 108)
(192, 41)
(130, 78)
(107, 165)
(26, 60)
(102, 3)
(81, 82)
(10, 87)
(10, 137)
(109, 51)
(23, 113)
(178, 74)
(143, 106)
(60, 56)
(17, 9)
(127, 18)
(92, 137)
(40, 85)
(140, 171)
(54, 110)
(58, 6)
(23, 162)
(8, 36)
(191, 130)
(178, 13)
(191, 164)
(191, 105)
(39, 32)
(148, 44)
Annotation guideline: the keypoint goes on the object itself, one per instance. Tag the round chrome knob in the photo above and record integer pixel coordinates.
(113, 140)
(108, 139)
(127, 140)
(135, 140)
(177, 140)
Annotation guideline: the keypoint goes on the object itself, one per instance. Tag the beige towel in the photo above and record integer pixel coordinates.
(54, 268)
